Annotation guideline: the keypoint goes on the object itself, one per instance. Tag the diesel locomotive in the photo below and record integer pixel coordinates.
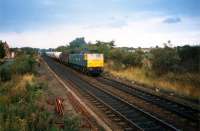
(91, 63)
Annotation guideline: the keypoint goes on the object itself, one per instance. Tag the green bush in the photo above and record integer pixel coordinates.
(164, 60)
(24, 64)
(20, 112)
(190, 58)
(126, 58)
(5, 74)
(71, 124)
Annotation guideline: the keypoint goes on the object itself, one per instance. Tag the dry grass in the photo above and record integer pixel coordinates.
(17, 86)
(187, 85)
(21, 84)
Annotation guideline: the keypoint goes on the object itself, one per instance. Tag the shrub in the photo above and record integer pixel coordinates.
(190, 58)
(71, 124)
(5, 74)
(117, 55)
(122, 56)
(164, 60)
(20, 111)
(24, 64)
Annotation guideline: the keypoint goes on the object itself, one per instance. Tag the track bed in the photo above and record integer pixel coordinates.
(123, 112)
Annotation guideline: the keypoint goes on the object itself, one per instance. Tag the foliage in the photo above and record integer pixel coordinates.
(24, 64)
(2, 50)
(116, 55)
(29, 50)
(77, 43)
(104, 47)
(5, 74)
(71, 124)
(190, 58)
(127, 58)
(137, 58)
(62, 48)
(182, 84)
(21, 65)
(18, 107)
(159, 60)
(164, 60)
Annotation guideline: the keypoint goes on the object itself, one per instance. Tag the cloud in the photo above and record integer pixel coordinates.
(172, 20)
(144, 33)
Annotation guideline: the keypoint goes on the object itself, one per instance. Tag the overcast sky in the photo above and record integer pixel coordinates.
(133, 23)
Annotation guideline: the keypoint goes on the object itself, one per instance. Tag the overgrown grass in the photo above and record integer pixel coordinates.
(19, 97)
(18, 110)
(185, 84)
(23, 64)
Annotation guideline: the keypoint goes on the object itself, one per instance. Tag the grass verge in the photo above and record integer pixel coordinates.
(20, 98)
(187, 84)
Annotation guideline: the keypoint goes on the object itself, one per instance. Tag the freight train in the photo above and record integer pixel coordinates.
(91, 63)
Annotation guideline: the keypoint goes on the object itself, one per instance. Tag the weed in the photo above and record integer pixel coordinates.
(185, 84)
(5, 74)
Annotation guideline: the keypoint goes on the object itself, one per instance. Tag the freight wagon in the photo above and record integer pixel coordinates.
(86, 62)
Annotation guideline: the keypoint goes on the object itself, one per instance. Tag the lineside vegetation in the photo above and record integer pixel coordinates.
(175, 69)
(20, 93)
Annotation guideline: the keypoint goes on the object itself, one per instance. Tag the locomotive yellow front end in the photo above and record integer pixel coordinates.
(95, 62)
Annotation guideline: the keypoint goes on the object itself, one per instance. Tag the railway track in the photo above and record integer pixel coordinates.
(179, 109)
(125, 114)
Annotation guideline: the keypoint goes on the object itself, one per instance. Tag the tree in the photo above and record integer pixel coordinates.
(117, 55)
(105, 48)
(77, 43)
(190, 57)
(109, 44)
(164, 60)
(62, 48)
(2, 50)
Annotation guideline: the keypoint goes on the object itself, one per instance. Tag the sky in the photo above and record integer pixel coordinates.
(131, 23)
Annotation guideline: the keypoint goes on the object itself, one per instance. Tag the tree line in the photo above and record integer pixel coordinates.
(161, 60)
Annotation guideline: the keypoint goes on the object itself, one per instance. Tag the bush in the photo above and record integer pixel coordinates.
(190, 58)
(126, 58)
(164, 60)
(5, 74)
(19, 111)
(24, 64)
(116, 55)
(71, 124)
(133, 58)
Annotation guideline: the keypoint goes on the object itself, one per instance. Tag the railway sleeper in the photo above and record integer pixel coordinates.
(133, 116)
(128, 129)
(108, 112)
(117, 119)
(97, 103)
(122, 123)
(101, 106)
(139, 119)
(111, 115)
(158, 128)
(126, 110)
(118, 106)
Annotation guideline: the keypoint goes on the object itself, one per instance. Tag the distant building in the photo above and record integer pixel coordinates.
(146, 50)
(12, 54)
